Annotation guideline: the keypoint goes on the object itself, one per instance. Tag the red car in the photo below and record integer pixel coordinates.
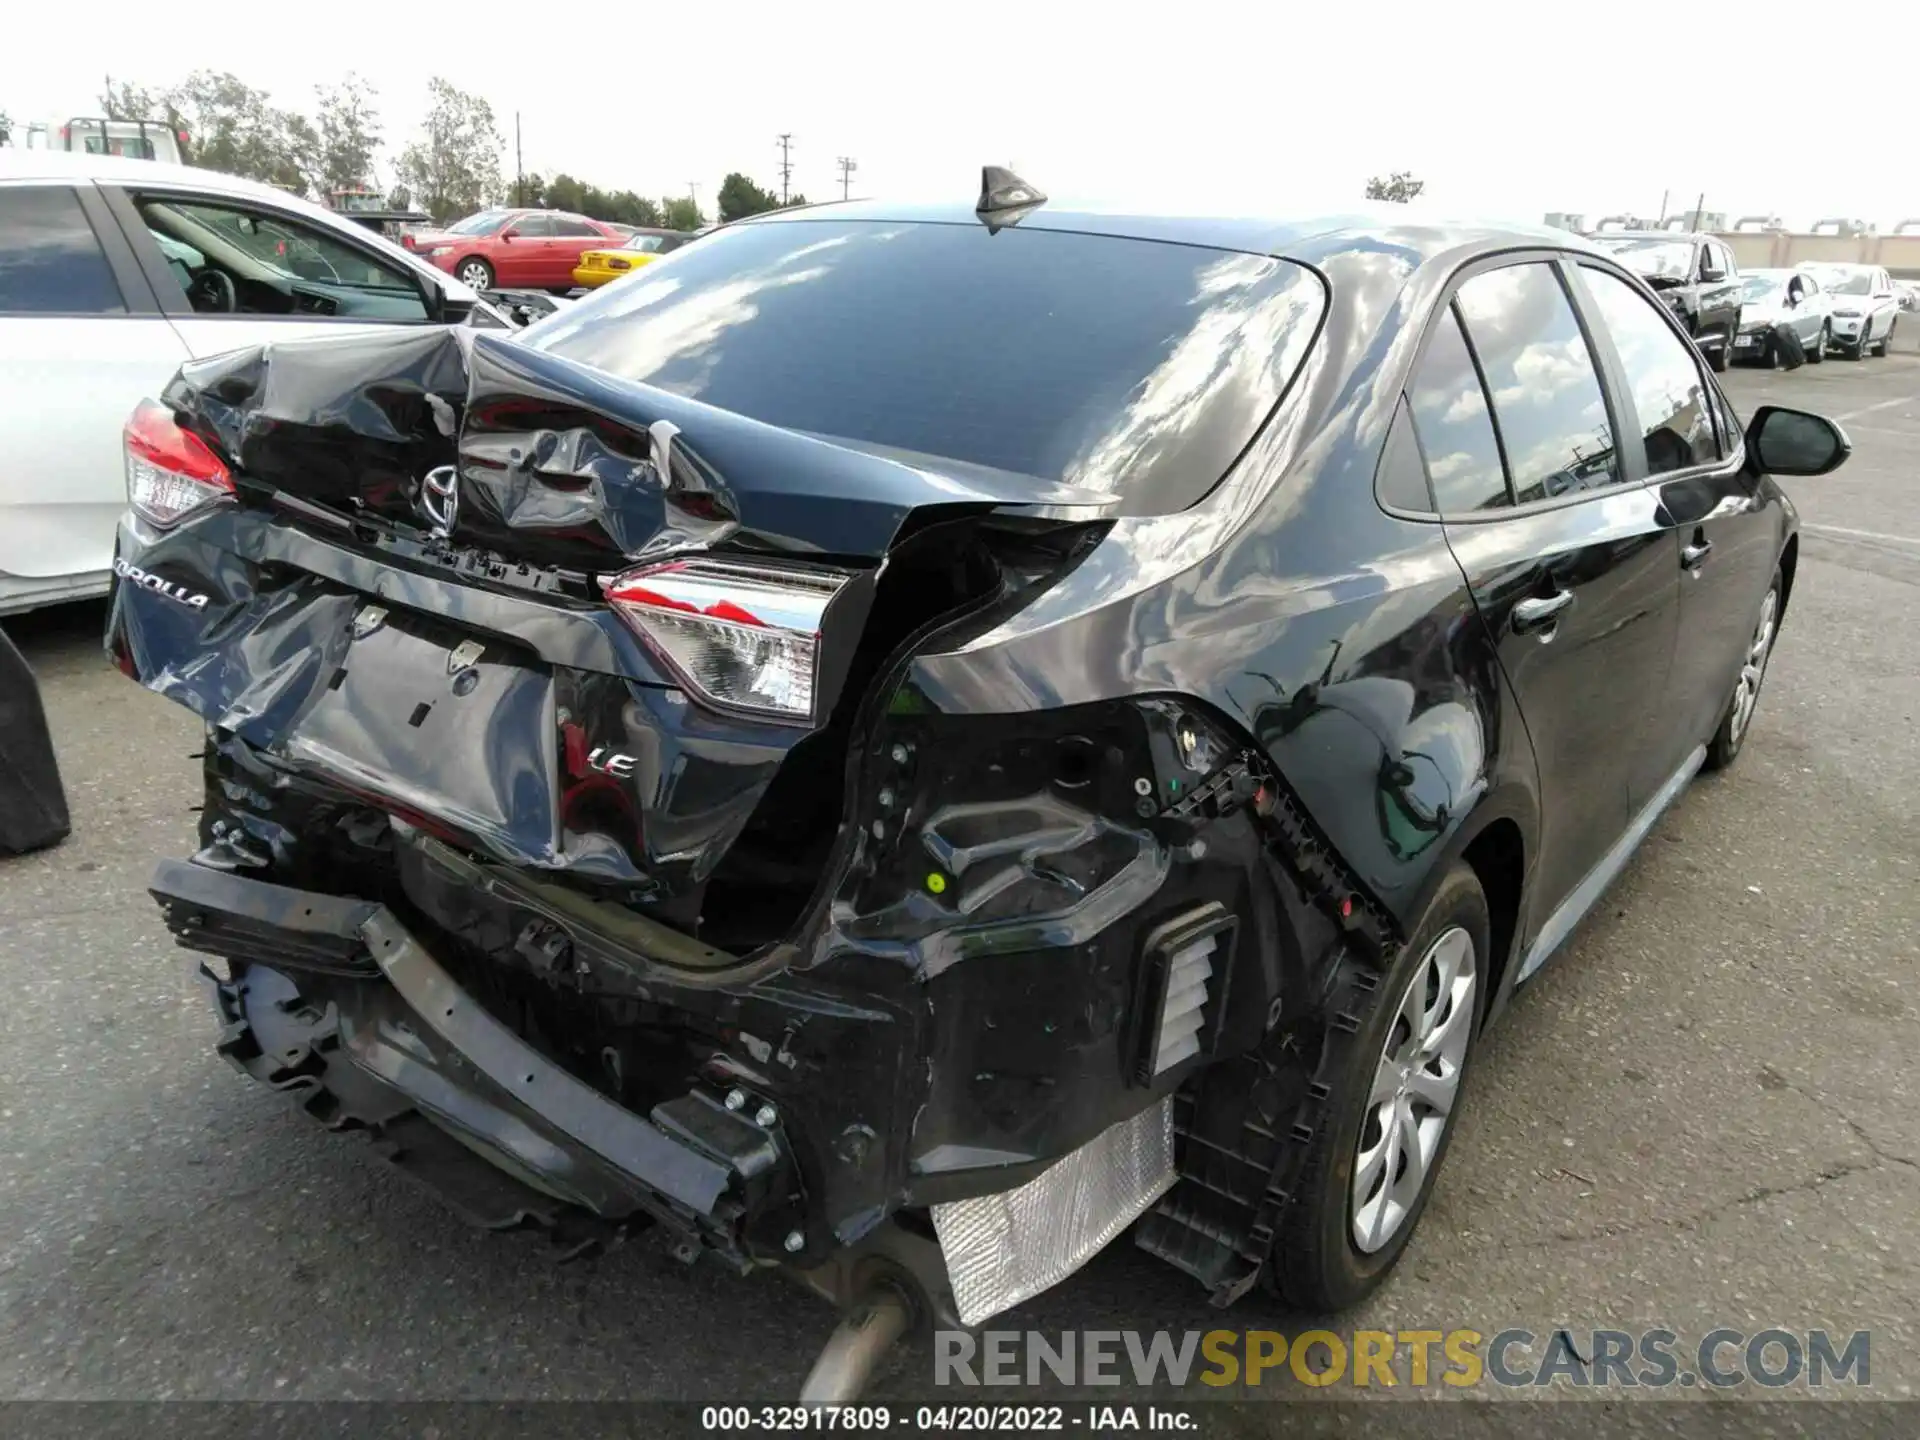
(515, 249)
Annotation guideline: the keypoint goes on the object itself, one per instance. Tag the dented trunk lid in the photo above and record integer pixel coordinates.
(558, 464)
(455, 666)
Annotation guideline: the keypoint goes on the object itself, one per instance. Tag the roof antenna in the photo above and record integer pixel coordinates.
(1005, 199)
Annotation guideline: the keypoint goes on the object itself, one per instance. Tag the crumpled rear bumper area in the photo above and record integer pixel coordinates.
(375, 1034)
(340, 1003)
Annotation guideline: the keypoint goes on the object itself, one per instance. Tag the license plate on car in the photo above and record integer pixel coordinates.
(1746, 341)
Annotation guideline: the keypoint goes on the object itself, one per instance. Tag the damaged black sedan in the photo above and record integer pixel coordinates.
(900, 743)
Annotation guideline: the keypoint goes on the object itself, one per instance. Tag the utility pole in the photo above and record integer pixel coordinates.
(519, 169)
(786, 162)
(1698, 206)
(1663, 207)
(693, 194)
(847, 166)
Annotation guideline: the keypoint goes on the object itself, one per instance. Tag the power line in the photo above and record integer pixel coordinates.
(847, 166)
(786, 162)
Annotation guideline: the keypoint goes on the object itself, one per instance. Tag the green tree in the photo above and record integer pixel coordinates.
(563, 192)
(126, 101)
(453, 168)
(1398, 187)
(681, 212)
(740, 197)
(233, 127)
(798, 199)
(349, 133)
(6, 127)
(626, 208)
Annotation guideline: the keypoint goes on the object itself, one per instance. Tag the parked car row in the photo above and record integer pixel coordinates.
(1742, 315)
(540, 249)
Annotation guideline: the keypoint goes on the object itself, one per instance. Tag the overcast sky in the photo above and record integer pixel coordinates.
(1504, 109)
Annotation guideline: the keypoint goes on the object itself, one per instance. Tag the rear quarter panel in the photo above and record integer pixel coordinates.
(1342, 641)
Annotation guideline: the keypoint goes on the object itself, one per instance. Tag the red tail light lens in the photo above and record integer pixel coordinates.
(171, 473)
(736, 636)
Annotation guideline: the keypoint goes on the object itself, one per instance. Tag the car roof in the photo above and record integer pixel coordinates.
(1415, 232)
(16, 164)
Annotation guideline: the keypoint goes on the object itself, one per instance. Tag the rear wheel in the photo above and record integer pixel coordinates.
(1886, 340)
(475, 273)
(1724, 748)
(1396, 1080)
(1817, 351)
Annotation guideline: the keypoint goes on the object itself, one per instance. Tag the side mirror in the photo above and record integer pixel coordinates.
(1793, 442)
(509, 234)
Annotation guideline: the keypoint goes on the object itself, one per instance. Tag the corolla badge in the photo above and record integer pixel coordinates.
(440, 498)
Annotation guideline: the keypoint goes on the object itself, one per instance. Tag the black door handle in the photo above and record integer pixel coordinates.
(1695, 555)
(1538, 613)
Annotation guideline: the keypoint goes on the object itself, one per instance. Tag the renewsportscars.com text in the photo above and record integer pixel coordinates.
(1720, 1359)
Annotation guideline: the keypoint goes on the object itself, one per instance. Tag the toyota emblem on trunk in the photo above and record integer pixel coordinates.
(440, 498)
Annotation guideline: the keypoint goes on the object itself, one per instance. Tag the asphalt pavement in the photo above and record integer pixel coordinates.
(1705, 1112)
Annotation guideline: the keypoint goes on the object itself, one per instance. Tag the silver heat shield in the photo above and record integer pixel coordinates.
(1005, 1248)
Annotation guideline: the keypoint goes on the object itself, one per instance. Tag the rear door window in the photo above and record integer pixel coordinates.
(50, 259)
(1547, 400)
(1455, 427)
(1663, 374)
(1123, 366)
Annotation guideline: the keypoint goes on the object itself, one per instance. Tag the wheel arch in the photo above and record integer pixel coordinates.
(1789, 562)
(1497, 854)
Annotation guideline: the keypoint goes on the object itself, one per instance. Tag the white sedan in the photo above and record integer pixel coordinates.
(112, 272)
(1865, 307)
(1770, 299)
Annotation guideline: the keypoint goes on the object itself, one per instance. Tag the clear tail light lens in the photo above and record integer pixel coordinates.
(737, 636)
(170, 472)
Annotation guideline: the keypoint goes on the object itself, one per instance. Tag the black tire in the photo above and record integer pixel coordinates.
(1731, 734)
(474, 273)
(1722, 354)
(1817, 351)
(1315, 1264)
(1885, 347)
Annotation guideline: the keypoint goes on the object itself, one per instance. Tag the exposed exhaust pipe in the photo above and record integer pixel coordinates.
(854, 1350)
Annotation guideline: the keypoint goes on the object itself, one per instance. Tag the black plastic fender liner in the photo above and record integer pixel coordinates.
(33, 806)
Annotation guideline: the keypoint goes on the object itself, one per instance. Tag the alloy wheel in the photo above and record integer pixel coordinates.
(1414, 1089)
(475, 276)
(1753, 669)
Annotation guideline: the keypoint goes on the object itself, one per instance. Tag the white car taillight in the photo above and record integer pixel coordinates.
(170, 472)
(737, 635)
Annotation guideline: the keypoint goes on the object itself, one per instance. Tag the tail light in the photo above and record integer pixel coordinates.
(171, 473)
(737, 636)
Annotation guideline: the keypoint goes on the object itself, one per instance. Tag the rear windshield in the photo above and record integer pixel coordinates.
(1130, 367)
